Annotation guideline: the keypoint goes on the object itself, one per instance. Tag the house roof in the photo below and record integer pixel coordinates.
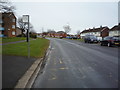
(60, 32)
(116, 27)
(8, 14)
(94, 30)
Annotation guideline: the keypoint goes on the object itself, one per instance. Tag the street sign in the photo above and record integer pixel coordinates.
(25, 19)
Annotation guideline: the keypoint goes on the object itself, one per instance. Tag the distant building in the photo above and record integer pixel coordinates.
(115, 31)
(98, 32)
(1, 24)
(61, 34)
(8, 25)
(51, 33)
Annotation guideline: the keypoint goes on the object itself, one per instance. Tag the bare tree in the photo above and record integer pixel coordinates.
(78, 32)
(31, 28)
(6, 6)
(67, 28)
(23, 26)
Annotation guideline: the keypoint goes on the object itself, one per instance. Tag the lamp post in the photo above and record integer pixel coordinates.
(25, 19)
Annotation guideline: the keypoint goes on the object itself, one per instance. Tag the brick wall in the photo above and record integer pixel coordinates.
(9, 24)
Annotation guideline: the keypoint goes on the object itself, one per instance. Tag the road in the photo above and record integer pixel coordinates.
(74, 64)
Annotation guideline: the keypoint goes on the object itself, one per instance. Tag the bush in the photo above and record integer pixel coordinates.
(21, 35)
(33, 36)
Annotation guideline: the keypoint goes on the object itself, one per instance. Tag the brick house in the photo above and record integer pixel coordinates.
(8, 24)
(51, 34)
(98, 32)
(1, 28)
(115, 31)
(61, 34)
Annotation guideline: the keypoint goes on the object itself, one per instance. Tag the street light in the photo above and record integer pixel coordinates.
(25, 20)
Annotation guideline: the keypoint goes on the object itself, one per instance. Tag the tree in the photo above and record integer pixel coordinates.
(6, 6)
(24, 26)
(21, 25)
(67, 28)
(78, 32)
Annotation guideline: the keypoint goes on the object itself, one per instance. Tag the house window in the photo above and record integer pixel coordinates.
(13, 20)
(13, 26)
(1, 21)
(13, 32)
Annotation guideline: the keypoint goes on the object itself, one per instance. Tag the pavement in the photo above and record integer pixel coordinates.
(74, 64)
(19, 71)
(13, 68)
(12, 42)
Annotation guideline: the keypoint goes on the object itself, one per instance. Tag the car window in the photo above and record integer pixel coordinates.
(107, 38)
(116, 38)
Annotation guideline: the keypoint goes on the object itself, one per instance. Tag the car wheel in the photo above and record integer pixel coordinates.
(101, 44)
(109, 45)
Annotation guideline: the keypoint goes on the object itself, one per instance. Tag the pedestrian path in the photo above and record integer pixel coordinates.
(14, 42)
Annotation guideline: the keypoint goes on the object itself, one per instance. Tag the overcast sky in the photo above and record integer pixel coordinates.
(79, 15)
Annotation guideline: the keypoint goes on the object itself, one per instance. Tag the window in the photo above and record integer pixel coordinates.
(13, 32)
(107, 38)
(1, 21)
(13, 26)
(13, 20)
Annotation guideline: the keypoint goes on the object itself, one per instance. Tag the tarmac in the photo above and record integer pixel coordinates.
(13, 68)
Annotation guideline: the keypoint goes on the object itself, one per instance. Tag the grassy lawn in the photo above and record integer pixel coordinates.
(82, 40)
(12, 39)
(38, 48)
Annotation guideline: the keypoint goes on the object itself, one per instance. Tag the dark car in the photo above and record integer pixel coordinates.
(110, 41)
(90, 39)
(74, 37)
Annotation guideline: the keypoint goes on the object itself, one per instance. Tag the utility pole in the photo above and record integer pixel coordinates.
(42, 31)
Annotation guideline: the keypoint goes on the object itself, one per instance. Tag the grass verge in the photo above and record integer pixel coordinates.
(12, 39)
(38, 48)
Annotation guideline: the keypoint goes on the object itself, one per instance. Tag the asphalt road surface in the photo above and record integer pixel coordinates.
(73, 64)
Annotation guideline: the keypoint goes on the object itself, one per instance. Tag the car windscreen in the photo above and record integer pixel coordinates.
(93, 37)
(116, 38)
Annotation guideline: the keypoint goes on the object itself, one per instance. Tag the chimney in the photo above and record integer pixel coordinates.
(101, 26)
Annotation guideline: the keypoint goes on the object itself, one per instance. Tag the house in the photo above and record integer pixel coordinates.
(18, 31)
(39, 34)
(1, 24)
(51, 33)
(8, 25)
(61, 34)
(98, 32)
(115, 31)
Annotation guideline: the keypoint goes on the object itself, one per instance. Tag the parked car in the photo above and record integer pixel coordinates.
(110, 41)
(74, 37)
(61, 37)
(90, 39)
(69, 37)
